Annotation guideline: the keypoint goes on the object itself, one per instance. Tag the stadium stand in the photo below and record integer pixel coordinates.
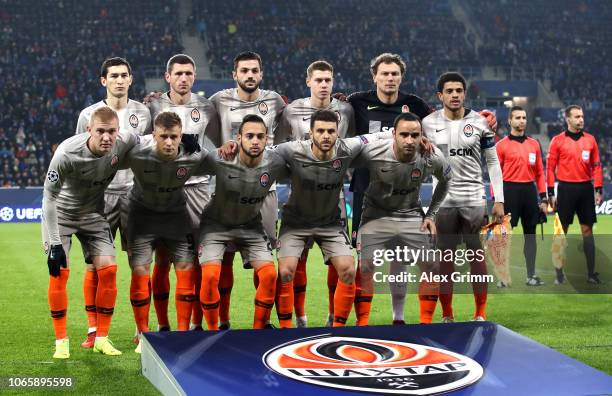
(49, 64)
(49, 59)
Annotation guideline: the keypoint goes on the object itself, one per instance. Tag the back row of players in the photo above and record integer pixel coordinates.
(156, 214)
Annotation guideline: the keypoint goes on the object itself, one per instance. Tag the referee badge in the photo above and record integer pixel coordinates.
(468, 130)
(195, 115)
(337, 165)
(264, 179)
(585, 155)
(415, 175)
(133, 120)
(263, 108)
(181, 172)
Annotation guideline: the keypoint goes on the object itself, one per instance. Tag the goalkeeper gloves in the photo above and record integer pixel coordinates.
(56, 259)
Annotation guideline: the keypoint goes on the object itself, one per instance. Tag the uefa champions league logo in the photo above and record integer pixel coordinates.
(7, 214)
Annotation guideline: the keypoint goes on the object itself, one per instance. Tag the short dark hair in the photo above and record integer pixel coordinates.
(319, 65)
(515, 108)
(407, 117)
(450, 77)
(167, 120)
(569, 109)
(252, 118)
(247, 55)
(181, 59)
(387, 57)
(114, 61)
(323, 115)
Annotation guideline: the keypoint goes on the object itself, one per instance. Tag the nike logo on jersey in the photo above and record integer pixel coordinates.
(373, 107)
(306, 165)
(440, 130)
(234, 108)
(305, 118)
(386, 170)
(232, 177)
(149, 171)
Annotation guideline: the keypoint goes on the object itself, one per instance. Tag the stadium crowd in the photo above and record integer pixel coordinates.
(49, 58)
(49, 64)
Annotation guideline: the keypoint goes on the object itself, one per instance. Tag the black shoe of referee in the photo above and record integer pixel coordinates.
(594, 279)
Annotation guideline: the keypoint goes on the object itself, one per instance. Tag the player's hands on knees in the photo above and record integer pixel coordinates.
(491, 119)
(150, 96)
(190, 143)
(228, 151)
(56, 259)
(498, 212)
(427, 147)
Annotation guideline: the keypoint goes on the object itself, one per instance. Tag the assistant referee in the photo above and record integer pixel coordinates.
(574, 157)
(521, 162)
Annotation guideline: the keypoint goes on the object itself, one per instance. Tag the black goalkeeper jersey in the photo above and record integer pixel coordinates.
(372, 115)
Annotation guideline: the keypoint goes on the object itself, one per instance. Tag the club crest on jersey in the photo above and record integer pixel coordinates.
(195, 115)
(263, 108)
(264, 179)
(133, 120)
(52, 176)
(415, 175)
(373, 365)
(181, 172)
(337, 165)
(405, 109)
(468, 130)
(114, 160)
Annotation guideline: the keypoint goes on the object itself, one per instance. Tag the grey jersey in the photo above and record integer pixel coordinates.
(240, 190)
(316, 184)
(76, 179)
(158, 184)
(394, 187)
(462, 142)
(232, 110)
(295, 120)
(198, 117)
(135, 118)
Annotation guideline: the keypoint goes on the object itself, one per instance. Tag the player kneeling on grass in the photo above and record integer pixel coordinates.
(73, 201)
(232, 218)
(162, 163)
(392, 212)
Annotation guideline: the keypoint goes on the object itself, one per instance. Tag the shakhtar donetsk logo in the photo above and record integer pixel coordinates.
(133, 120)
(371, 365)
(114, 160)
(405, 109)
(263, 108)
(415, 174)
(181, 172)
(468, 130)
(195, 115)
(264, 179)
(337, 165)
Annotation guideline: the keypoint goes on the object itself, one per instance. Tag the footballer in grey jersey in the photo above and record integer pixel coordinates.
(463, 136)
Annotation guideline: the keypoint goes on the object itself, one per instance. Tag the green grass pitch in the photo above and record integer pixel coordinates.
(577, 325)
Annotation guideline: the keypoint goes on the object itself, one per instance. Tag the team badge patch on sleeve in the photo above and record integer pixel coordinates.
(373, 365)
(133, 120)
(195, 115)
(52, 176)
(363, 139)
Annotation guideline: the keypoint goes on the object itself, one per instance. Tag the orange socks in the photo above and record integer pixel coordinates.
(264, 296)
(428, 298)
(141, 300)
(332, 281)
(343, 301)
(58, 302)
(209, 294)
(479, 288)
(184, 298)
(105, 298)
(299, 287)
(161, 291)
(363, 297)
(284, 303)
(90, 285)
(226, 282)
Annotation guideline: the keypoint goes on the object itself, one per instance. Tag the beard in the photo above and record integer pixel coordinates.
(248, 153)
(248, 89)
